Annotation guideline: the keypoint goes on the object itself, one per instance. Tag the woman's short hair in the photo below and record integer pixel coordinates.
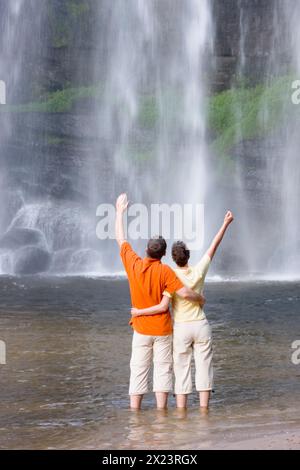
(180, 254)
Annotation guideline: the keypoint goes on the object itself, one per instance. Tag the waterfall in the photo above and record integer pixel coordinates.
(283, 163)
(154, 89)
(290, 174)
(272, 212)
(38, 233)
(11, 59)
(145, 134)
(153, 116)
(112, 96)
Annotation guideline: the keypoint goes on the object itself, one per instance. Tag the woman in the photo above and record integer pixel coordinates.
(192, 332)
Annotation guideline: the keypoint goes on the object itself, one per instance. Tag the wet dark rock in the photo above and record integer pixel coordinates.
(61, 260)
(31, 260)
(85, 259)
(18, 237)
(64, 190)
(256, 16)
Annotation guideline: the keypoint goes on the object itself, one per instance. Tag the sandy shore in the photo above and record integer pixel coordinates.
(288, 440)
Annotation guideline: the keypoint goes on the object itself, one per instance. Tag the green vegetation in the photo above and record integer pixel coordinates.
(148, 112)
(233, 116)
(53, 140)
(57, 102)
(244, 113)
(141, 156)
(77, 8)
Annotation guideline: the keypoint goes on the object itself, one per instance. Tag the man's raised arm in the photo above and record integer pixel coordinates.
(121, 207)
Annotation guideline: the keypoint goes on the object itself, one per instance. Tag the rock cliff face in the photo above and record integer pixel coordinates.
(62, 51)
(243, 32)
(70, 55)
(245, 40)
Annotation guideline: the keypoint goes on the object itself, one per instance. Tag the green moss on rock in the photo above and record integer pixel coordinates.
(61, 101)
(148, 112)
(77, 8)
(244, 113)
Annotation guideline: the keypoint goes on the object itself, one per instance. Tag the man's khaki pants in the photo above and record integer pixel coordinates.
(146, 349)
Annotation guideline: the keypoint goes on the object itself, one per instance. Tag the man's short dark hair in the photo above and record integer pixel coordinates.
(180, 254)
(156, 247)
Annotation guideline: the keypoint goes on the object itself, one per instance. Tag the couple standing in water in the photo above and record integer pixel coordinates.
(153, 286)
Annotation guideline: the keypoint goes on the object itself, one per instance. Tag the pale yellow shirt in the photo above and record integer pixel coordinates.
(193, 277)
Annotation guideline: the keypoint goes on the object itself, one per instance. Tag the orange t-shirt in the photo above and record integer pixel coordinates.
(148, 279)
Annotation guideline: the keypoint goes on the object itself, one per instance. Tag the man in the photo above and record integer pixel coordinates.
(152, 338)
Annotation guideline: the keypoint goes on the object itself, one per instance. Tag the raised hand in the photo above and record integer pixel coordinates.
(219, 237)
(122, 203)
(228, 218)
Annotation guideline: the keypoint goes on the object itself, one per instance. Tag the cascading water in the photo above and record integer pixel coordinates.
(43, 226)
(150, 63)
(153, 113)
(6, 29)
(154, 69)
(11, 68)
(266, 169)
(290, 172)
(142, 71)
(283, 163)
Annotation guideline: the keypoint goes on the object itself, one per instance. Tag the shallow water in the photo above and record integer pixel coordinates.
(68, 347)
